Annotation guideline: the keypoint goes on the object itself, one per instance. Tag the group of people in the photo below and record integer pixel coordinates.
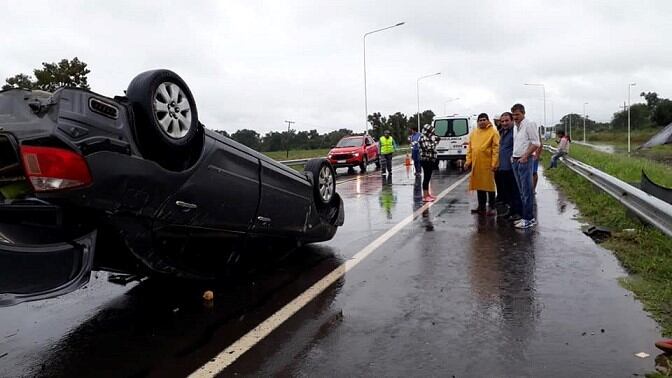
(503, 162)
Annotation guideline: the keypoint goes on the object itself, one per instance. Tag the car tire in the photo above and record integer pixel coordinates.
(365, 162)
(166, 118)
(324, 180)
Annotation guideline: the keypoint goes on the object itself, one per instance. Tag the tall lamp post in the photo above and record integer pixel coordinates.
(445, 105)
(544, 88)
(366, 105)
(584, 121)
(629, 86)
(417, 85)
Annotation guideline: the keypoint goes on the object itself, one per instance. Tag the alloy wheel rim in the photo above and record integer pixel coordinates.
(326, 183)
(172, 110)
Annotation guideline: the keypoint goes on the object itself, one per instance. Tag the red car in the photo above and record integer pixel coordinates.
(354, 151)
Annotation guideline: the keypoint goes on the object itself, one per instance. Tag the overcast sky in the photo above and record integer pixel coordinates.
(255, 64)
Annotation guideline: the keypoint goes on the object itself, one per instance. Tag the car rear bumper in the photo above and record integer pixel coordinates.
(37, 259)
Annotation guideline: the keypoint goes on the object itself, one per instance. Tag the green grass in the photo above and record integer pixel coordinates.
(645, 253)
(297, 154)
(626, 168)
(637, 137)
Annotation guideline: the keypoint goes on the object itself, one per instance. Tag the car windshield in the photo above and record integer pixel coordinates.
(350, 142)
(451, 127)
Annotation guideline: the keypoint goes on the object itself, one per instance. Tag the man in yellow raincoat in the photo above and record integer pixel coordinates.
(483, 159)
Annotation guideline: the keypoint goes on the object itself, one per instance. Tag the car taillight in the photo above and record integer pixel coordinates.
(49, 168)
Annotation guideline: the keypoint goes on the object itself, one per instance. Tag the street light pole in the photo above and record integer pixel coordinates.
(544, 88)
(417, 85)
(629, 86)
(584, 121)
(366, 105)
(445, 109)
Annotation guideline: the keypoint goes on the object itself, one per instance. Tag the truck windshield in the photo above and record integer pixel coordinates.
(451, 127)
(349, 142)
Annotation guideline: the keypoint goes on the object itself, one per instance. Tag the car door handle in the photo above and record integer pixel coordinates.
(186, 205)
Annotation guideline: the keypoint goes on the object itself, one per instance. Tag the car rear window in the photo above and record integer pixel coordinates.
(451, 127)
(349, 142)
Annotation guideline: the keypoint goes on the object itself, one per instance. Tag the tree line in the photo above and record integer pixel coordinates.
(655, 113)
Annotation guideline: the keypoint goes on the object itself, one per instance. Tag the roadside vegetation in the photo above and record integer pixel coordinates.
(297, 154)
(644, 252)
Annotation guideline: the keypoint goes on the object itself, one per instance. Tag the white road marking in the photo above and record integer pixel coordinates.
(258, 333)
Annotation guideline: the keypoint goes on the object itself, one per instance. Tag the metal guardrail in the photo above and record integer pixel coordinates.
(304, 161)
(653, 210)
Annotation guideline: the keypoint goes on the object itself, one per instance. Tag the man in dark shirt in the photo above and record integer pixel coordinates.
(507, 189)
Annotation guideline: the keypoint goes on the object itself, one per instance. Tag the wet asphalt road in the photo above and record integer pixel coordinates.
(450, 294)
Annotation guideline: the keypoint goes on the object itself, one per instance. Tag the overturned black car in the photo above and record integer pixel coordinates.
(131, 184)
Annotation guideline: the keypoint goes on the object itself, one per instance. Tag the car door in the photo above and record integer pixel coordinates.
(286, 198)
(371, 149)
(223, 191)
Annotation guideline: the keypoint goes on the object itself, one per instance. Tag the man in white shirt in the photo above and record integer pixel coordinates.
(525, 143)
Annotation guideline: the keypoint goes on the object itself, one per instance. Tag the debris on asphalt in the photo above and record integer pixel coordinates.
(176, 309)
(642, 355)
(208, 295)
(629, 230)
(597, 233)
(4, 354)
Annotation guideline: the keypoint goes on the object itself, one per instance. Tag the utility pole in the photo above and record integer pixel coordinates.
(289, 125)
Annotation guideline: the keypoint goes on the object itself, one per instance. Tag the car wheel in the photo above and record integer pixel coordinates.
(365, 162)
(166, 118)
(324, 180)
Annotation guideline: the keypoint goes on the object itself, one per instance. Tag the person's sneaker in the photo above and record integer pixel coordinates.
(513, 218)
(519, 221)
(533, 221)
(524, 223)
(427, 199)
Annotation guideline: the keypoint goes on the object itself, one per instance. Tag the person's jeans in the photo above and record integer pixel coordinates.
(386, 163)
(555, 157)
(523, 174)
(415, 155)
(507, 190)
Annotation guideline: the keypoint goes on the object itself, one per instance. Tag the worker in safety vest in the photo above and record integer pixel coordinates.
(387, 144)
